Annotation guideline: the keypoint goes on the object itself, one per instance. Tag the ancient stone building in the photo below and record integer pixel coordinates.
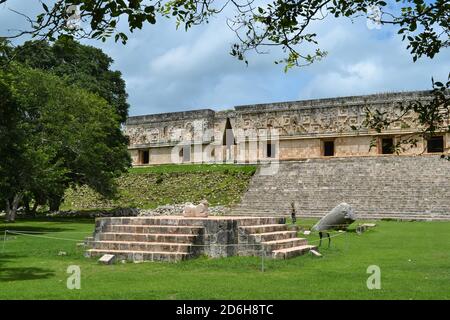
(295, 130)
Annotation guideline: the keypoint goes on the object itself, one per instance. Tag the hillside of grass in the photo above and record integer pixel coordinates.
(150, 187)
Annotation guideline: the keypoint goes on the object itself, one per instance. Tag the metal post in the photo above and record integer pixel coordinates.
(4, 241)
(263, 253)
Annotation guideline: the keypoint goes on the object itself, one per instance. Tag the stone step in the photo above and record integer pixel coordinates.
(285, 243)
(359, 213)
(147, 237)
(250, 221)
(161, 229)
(142, 246)
(382, 186)
(264, 228)
(292, 252)
(304, 197)
(271, 236)
(362, 216)
(183, 222)
(88, 241)
(139, 256)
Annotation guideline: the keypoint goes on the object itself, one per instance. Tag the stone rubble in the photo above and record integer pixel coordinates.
(166, 210)
(177, 209)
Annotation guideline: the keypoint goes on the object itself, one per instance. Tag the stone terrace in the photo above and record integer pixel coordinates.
(175, 238)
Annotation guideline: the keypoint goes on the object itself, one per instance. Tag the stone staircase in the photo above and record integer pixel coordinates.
(175, 238)
(276, 240)
(400, 187)
(146, 242)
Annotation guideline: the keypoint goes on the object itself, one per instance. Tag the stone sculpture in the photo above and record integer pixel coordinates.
(200, 210)
(337, 219)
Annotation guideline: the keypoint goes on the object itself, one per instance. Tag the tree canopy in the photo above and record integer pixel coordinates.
(78, 64)
(424, 25)
(54, 135)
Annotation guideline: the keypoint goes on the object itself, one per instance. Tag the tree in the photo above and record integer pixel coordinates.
(283, 23)
(423, 25)
(78, 64)
(26, 163)
(5, 50)
(53, 136)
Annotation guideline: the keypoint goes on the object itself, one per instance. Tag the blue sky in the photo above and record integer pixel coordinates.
(172, 70)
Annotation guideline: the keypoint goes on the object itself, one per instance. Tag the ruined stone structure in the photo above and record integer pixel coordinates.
(286, 131)
(326, 155)
(175, 238)
(333, 157)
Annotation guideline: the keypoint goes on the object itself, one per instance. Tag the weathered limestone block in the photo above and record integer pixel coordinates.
(338, 218)
(107, 259)
(200, 210)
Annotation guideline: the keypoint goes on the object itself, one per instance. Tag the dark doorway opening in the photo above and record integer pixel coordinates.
(145, 157)
(387, 145)
(270, 150)
(228, 136)
(328, 148)
(435, 144)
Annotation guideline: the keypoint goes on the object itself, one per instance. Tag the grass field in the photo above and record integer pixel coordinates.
(149, 187)
(414, 258)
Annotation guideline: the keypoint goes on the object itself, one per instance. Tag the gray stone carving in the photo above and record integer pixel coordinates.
(337, 219)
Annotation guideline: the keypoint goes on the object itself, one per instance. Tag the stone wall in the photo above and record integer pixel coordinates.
(301, 128)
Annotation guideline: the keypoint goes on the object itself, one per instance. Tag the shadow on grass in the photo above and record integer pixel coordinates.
(21, 273)
(24, 273)
(33, 229)
(39, 218)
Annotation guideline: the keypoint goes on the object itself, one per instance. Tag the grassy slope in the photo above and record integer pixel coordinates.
(414, 258)
(149, 187)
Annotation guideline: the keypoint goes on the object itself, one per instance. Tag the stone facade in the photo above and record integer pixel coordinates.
(286, 131)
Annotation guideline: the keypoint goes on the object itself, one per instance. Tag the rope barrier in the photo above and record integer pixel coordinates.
(331, 236)
(38, 236)
(42, 232)
(33, 234)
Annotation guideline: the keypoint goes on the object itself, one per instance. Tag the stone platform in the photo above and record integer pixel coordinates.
(394, 187)
(175, 238)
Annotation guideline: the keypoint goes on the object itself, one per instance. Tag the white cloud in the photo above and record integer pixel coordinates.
(171, 70)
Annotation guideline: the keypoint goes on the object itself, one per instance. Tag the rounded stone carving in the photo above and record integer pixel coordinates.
(338, 218)
(200, 210)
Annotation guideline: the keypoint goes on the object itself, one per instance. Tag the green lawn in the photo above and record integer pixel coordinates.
(414, 258)
(149, 187)
(195, 168)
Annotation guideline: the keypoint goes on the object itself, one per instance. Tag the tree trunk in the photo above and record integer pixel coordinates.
(11, 208)
(34, 209)
(26, 204)
(8, 210)
(55, 202)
